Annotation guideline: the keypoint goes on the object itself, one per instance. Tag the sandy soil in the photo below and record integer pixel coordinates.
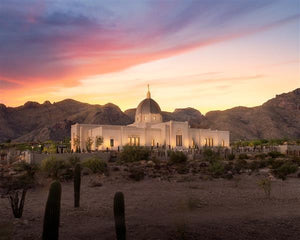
(184, 208)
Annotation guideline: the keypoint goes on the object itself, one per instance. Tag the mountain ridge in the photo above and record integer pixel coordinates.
(276, 118)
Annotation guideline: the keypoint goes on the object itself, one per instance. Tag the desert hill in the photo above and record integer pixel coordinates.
(277, 118)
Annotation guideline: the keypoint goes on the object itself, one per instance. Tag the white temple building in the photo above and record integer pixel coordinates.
(147, 130)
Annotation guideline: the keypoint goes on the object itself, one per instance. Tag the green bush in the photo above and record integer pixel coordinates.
(274, 164)
(296, 160)
(275, 154)
(228, 166)
(231, 157)
(73, 160)
(284, 170)
(30, 168)
(263, 163)
(243, 156)
(261, 156)
(255, 165)
(177, 157)
(242, 163)
(209, 155)
(134, 153)
(96, 164)
(239, 165)
(53, 166)
(216, 168)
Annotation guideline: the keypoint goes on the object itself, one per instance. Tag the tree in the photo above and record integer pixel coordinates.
(99, 141)
(89, 142)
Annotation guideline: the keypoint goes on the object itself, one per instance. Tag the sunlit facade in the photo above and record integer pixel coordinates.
(149, 129)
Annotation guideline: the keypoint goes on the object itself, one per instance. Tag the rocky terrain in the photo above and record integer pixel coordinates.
(165, 203)
(277, 118)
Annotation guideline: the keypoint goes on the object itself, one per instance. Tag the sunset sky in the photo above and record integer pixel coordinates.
(206, 54)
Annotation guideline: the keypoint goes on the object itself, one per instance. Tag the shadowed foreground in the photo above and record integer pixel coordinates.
(184, 208)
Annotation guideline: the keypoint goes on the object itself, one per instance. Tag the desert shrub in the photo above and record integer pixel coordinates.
(296, 160)
(263, 163)
(243, 156)
(228, 167)
(182, 169)
(255, 165)
(275, 163)
(29, 168)
(265, 184)
(209, 155)
(66, 174)
(73, 160)
(216, 168)
(242, 163)
(177, 157)
(53, 166)
(231, 156)
(134, 153)
(261, 156)
(284, 170)
(96, 164)
(136, 174)
(275, 154)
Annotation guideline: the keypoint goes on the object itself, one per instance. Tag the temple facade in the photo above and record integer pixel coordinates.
(149, 129)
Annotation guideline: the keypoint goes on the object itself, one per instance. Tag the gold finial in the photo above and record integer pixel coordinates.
(148, 93)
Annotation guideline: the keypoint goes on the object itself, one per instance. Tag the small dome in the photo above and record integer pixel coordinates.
(147, 106)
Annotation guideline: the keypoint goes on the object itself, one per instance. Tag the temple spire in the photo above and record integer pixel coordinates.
(148, 93)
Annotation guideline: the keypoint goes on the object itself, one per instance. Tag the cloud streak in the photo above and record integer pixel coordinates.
(52, 43)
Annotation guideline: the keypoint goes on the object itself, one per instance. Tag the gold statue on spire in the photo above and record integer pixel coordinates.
(148, 93)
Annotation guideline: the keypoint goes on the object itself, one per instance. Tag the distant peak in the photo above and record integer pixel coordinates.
(2, 106)
(297, 91)
(111, 105)
(47, 102)
(31, 104)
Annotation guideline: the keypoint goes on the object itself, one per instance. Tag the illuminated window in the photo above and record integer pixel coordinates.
(223, 143)
(153, 143)
(179, 140)
(134, 141)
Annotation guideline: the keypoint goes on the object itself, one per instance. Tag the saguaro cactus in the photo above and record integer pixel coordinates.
(52, 212)
(119, 213)
(77, 181)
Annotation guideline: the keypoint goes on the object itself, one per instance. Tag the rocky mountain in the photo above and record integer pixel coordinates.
(277, 118)
(34, 121)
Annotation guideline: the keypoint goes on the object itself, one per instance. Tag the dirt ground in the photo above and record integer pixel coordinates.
(185, 207)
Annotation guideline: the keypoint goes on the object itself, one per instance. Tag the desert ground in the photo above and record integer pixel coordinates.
(184, 206)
